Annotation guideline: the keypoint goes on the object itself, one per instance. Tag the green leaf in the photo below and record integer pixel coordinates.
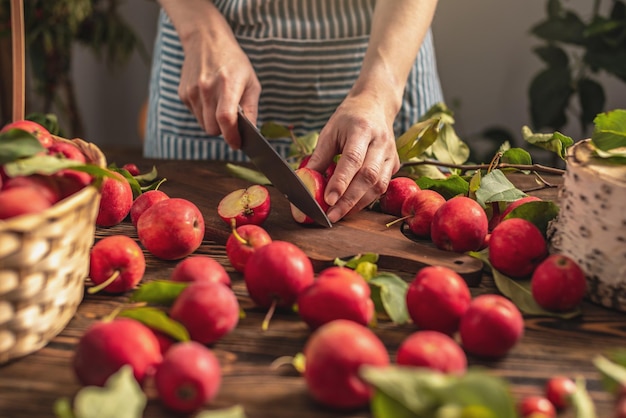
(48, 121)
(248, 174)
(429, 171)
(448, 187)
(564, 27)
(610, 130)
(384, 406)
(552, 55)
(48, 164)
(581, 401)
(540, 213)
(449, 148)
(273, 130)
(156, 319)
(591, 99)
(16, 144)
(555, 142)
(160, 292)
(121, 397)
(236, 411)
(390, 290)
(496, 187)
(132, 181)
(148, 177)
(367, 270)
(518, 291)
(353, 262)
(613, 374)
(417, 139)
(477, 388)
(516, 156)
(63, 408)
(549, 94)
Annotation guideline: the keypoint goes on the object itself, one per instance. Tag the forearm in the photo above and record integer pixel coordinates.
(398, 30)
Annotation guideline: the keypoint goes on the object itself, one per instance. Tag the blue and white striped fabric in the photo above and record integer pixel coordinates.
(306, 53)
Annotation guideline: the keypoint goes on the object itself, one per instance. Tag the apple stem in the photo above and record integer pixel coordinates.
(282, 361)
(237, 236)
(111, 279)
(395, 221)
(268, 316)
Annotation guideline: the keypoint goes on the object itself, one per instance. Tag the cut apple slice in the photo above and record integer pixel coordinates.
(245, 206)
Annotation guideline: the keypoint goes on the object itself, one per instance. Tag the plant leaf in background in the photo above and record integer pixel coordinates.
(236, 411)
(518, 291)
(581, 401)
(389, 296)
(610, 130)
(160, 292)
(516, 156)
(157, 319)
(555, 142)
(16, 144)
(121, 397)
(613, 374)
(249, 174)
(495, 187)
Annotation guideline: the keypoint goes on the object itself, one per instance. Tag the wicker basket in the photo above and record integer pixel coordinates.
(44, 259)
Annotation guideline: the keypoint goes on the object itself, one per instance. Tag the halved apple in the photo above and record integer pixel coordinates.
(316, 184)
(245, 206)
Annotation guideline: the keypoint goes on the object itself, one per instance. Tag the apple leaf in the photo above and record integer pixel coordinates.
(449, 148)
(418, 138)
(540, 213)
(448, 187)
(132, 181)
(273, 130)
(495, 187)
(236, 411)
(17, 143)
(389, 296)
(160, 292)
(613, 374)
(249, 174)
(48, 164)
(582, 403)
(610, 130)
(555, 142)
(63, 408)
(148, 177)
(403, 391)
(353, 262)
(518, 291)
(516, 156)
(158, 320)
(121, 397)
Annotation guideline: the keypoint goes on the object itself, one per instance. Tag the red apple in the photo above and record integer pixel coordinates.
(19, 201)
(171, 229)
(245, 206)
(108, 345)
(558, 283)
(116, 264)
(536, 407)
(132, 169)
(437, 299)
(34, 128)
(558, 390)
(46, 185)
(276, 273)
(338, 293)
(116, 198)
(433, 350)
(316, 184)
(188, 378)
(491, 326)
(519, 202)
(334, 353)
(66, 150)
(398, 190)
(242, 242)
(516, 247)
(460, 225)
(208, 310)
(200, 268)
(143, 202)
(419, 209)
(329, 170)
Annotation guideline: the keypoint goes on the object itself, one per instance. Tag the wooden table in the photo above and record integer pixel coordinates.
(29, 386)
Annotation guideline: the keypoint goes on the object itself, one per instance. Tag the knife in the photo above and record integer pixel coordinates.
(276, 169)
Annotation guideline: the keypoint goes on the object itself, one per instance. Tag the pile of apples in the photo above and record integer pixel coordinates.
(28, 194)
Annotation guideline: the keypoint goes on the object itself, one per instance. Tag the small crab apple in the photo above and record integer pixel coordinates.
(46, 185)
(433, 350)
(200, 268)
(334, 353)
(437, 298)
(460, 225)
(491, 326)
(398, 190)
(208, 310)
(116, 264)
(143, 202)
(19, 201)
(242, 242)
(132, 169)
(558, 390)
(42, 134)
(245, 206)
(419, 209)
(67, 150)
(516, 247)
(558, 283)
(108, 345)
(316, 184)
(536, 407)
(116, 198)
(338, 293)
(171, 229)
(189, 377)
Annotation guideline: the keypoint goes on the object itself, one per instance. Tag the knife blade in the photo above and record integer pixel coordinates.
(276, 169)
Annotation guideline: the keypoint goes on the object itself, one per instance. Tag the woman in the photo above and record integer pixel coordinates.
(359, 72)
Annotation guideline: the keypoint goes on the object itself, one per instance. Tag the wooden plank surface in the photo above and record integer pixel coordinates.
(29, 386)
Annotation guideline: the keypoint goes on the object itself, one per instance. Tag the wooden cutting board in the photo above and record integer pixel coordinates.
(206, 182)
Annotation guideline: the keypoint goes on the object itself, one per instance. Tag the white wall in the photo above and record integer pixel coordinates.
(484, 52)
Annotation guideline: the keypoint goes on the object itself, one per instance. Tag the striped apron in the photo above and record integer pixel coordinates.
(306, 54)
